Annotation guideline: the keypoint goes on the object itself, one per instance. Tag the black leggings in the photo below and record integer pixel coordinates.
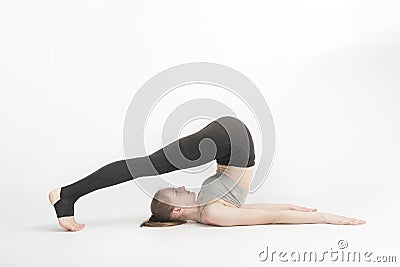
(234, 149)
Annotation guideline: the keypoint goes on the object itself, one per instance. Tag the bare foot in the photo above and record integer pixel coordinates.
(68, 222)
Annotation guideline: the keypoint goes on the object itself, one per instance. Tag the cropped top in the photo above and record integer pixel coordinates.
(220, 186)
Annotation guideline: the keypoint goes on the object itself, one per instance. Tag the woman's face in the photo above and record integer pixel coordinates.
(179, 196)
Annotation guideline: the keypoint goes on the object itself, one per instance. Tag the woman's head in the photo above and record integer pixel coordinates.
(170, 206)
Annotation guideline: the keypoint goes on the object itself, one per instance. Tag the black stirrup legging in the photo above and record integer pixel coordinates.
(221, 131)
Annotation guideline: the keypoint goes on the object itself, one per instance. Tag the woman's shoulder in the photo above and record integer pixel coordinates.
(210, 208)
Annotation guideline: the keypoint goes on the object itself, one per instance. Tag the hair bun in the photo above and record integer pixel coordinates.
(153, 218)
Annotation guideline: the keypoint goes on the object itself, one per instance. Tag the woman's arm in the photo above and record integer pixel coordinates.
(271, 206)
(221, 215)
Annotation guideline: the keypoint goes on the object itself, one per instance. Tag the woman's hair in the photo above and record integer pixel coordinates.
(161, 213)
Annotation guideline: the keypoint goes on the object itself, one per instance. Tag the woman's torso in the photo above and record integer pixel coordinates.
(239, 175)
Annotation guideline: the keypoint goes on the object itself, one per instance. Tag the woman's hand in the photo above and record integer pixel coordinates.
(337, 219)
(299, 208)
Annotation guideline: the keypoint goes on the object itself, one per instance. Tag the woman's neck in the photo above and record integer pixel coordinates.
(193, 213)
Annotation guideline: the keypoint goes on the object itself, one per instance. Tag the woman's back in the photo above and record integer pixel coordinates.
(228, 187)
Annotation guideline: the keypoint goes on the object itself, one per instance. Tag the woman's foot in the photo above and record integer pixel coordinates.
(68, 222)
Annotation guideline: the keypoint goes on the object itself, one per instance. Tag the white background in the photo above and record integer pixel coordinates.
(329, 72)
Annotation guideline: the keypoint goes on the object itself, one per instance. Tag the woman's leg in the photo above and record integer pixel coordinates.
(222, 132)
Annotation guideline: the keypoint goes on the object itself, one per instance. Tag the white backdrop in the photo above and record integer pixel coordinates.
(68, 71)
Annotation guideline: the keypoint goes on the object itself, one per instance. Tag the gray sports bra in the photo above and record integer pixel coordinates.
(220, 186)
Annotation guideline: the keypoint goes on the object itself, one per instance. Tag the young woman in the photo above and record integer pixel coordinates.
(221, 198)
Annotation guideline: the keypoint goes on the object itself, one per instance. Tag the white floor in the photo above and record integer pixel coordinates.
(31, 236)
